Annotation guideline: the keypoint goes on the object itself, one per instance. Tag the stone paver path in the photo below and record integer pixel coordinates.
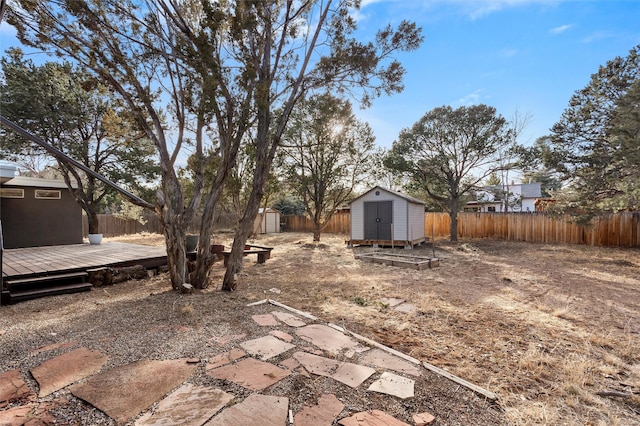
(250, 373)
(255, 410)
(188, 405)
(289, 319)
(225, 358)
(328, 339)
(61, 371)
(392, 384)
(381, 359)
(322, 414)
(13, 388)
(265, 320)
(371, 418)
(266, 347)
(125, 391)
(345, 372)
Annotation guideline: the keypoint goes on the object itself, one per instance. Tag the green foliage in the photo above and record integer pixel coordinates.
(222, 73)
(326, 153)
(74, 113)
(289, 206)
(493, 180)
(448, 152)
(594, 145)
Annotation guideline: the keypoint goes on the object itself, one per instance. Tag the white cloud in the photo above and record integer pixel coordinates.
(560, 29)
(508, 53)
(472, 98)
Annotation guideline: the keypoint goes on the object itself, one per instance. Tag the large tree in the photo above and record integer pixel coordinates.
(229, 67)
(326, 153)
(591, 146)
(448, 152)
(74, 113)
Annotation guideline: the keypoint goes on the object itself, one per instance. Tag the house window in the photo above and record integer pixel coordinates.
(11, 193)
(491, 209)
(48, 194)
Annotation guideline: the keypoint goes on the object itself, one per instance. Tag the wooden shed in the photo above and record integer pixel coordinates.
(267, 221)
(382, 217)
(38, 212)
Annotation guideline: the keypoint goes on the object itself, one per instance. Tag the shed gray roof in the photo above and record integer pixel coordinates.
(399, 194)
(35, 182)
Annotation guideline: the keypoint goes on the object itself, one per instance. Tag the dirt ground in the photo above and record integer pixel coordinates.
(553, 330)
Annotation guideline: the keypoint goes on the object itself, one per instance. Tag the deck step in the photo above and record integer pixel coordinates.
(71, 276)
(46, 285)
(22, 295)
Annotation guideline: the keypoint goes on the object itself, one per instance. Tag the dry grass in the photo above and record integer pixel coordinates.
(545, 327)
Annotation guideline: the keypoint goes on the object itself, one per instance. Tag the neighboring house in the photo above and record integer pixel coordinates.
(38, 212)
(387, 218)
(520, 197)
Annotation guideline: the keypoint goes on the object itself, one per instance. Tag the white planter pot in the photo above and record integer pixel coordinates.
(95, 238)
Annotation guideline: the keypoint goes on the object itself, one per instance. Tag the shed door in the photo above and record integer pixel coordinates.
(378, 217)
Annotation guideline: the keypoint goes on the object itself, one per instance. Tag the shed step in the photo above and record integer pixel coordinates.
(22, 295)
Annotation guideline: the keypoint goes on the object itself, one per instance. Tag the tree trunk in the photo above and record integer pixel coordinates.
(316, 232)
(92, 220)
(199, 278)
(172, 216)
(453, 214)
(175, 237)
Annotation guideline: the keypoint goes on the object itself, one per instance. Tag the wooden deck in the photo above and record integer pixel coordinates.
(42, 261)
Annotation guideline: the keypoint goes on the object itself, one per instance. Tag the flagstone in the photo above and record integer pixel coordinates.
(17, 416)
(371, 418)
(250, 373)
(31, 414)
(188, 405)
(352, 375)
(56, 373)
(255, 410)
(266, 347)
(392, 301)
(382, 359)
(394, 385)
(327, 338)
(13, 388)
(322, 414)
(289, 319)
(289, 363)
(282, 335)
(423, 419)
(225, 358)
(125, 391)
(266, 320)
(407, 308)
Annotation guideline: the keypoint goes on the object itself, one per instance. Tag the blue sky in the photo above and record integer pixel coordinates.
(525, 55)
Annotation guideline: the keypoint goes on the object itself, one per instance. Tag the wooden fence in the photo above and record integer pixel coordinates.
(339, 224)
(110, 225)
(617, 230)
